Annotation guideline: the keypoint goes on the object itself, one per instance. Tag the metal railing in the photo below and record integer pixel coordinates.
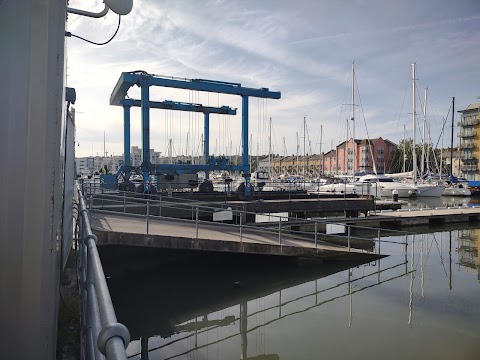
(201, 215)
(102, 336)
(94, 186)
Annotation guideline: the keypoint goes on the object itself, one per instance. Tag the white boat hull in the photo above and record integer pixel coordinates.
(430, 190)
(361, 189)
(403, 192)
(456, 191)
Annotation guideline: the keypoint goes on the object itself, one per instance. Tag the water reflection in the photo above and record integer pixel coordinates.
(210, 308)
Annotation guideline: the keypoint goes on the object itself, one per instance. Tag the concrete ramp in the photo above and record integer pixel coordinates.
(216, 237)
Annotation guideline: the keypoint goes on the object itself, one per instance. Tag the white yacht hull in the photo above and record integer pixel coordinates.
(430, 190)
(361, 189)
(403, 192)
(456, 191)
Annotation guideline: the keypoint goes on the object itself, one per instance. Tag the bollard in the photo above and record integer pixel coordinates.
(395, 195)
(316, 234)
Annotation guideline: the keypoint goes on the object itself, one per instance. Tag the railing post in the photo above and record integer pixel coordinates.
(348, 237)
(91, 202)
(280, 230)
(406, 248)
(196, 223)
(316, 234)
(379, 241)
(241, 222)
(148, 214)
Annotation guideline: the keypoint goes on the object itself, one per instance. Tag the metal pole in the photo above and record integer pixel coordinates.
(280, 230)
(196, 223)
(406, 248)
(316, 234)
(124, 203)
(160, 206)
(348, 237)
(148, 213)
(241, 221)
(379, 241)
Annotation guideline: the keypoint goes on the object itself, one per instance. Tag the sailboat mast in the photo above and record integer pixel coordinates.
(320, 153)
(304, 139)
(270, 147)
(422, 164)
(451, 138)
(104, 149)
(404, 148)
(353, 119)
(296, 137)
(414, 155)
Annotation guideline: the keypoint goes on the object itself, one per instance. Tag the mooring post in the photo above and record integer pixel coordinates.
(196, 223)
(148, 213)
(348, 237)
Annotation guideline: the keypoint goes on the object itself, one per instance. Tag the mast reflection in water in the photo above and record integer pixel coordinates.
(253, 307)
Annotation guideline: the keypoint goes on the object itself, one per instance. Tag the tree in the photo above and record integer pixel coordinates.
(404, 151)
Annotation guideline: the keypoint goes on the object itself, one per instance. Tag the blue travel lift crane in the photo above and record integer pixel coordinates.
(144, 81)
(126, 169)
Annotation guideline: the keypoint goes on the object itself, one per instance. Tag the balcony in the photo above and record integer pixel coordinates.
(468, 145)
(469, 168)
(468, 122)
(468, 156)
(468, 134)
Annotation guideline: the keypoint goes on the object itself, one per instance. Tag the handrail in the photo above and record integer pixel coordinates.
(283, 221)
(102, 333)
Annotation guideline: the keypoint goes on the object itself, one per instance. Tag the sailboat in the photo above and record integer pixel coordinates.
(352, 187)
(424, 188)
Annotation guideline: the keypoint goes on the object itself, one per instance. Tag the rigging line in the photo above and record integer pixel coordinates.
(445, 118)
(366, 128)
(403, 102)
(69, 34)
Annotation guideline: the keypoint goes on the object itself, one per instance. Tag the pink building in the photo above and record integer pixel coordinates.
(340, 160)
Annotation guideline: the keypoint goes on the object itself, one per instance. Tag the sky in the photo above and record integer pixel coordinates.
(304, 49)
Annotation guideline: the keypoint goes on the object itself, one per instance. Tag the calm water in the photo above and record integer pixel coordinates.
(421, 305)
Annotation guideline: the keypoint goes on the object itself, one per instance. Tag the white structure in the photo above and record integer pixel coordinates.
(32, 127)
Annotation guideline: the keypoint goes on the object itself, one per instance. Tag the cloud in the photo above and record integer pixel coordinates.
(304, 50)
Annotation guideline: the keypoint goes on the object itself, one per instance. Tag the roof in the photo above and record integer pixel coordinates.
(474, 106)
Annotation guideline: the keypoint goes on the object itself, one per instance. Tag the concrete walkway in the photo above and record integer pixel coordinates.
(181, 234)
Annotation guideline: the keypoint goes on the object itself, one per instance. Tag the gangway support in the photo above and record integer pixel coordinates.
(145, 80)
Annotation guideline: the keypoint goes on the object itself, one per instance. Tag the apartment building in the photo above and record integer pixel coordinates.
(470, 141)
